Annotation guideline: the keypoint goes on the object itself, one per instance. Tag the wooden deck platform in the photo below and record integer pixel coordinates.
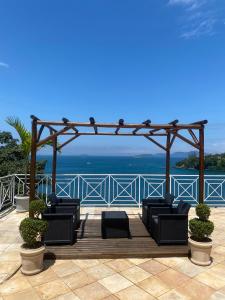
(90, 244)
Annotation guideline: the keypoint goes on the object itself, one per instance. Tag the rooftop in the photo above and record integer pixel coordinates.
(129, 278)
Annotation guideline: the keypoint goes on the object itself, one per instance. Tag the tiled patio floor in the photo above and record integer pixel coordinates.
(132, 279)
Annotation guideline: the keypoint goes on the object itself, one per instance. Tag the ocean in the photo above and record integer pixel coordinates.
(116, 165)
(128, 189)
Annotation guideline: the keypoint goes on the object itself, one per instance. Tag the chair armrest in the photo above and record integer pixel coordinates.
(172, 216)
(156, 210)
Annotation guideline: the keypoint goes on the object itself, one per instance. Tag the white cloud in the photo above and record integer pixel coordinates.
(200, 17)
(4, 65)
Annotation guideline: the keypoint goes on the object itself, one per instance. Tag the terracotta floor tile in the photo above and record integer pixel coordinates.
(66, 268)
(138, 261)
(153, 267)
(115, 283)
(43, 277)
(189, 269)
(94, 291)
(119, 265)
(133, 293)
(154, 286)
(100, 271)
(14, 285)
(194, 289)
(52, 289)
(170, 261)
(86, 263)
(217, 296)
(111, 297)
(211, 279)
(135, 274)
(172, 278)
(173, 295)
(68, 296)
(29, 294)
(77, 280)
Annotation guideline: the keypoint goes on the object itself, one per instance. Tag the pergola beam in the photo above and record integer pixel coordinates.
(171, 130)
(155, 142)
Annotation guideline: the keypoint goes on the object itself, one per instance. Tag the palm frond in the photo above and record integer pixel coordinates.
(23, 133)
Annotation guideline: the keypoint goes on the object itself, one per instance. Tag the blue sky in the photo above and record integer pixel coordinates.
(112, 59)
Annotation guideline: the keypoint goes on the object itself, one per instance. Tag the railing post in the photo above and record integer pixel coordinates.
(139, 191)
(109, 191)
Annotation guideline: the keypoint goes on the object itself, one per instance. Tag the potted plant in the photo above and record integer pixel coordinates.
(200, 243)
(31, 231)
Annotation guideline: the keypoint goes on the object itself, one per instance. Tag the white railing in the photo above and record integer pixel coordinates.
(116, 189)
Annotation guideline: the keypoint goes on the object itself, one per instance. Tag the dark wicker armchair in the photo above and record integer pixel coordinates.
(69, 202)
(61, 225)
(170, 225)
(147, 204)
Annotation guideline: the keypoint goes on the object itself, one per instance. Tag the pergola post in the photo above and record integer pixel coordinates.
(33, 159)
(54, 161)
(168, 162)
(201, 164)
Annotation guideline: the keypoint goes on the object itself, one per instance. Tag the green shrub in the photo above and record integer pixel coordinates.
(203, 211)
(32, 228)
(37, 207)
(201, 228)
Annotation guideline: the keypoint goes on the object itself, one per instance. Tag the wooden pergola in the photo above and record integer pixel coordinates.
(66, 128)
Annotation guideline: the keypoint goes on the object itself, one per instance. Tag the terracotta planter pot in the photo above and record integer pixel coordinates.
(200, 252)
(32, 260)
(22, 203)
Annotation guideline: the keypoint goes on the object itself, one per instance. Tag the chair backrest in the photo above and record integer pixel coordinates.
(53, 199)
(169, 198)
(183, 208)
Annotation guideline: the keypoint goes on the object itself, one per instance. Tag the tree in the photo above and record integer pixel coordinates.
(25, 137)
(12, 158)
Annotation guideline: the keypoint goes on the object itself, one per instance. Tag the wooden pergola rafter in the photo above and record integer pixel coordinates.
(172, 130)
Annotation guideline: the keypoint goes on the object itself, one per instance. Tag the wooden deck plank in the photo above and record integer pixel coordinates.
(90, 244)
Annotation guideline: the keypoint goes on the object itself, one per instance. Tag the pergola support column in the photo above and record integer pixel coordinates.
(168, 162)
(54, 161)
(201, 165)
(33, 159)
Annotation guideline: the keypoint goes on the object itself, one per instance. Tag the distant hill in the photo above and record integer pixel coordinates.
(174, 154)
(215, 162)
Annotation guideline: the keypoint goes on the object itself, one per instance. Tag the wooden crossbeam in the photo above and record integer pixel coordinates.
(172, 141)
(52, 136)
(174, 122)
(114, 125)
(67, 142)
(40, 132)
(47, 125)
(146, 123)
(203, 122)
(114, 134)
(92, 122)
(121, 123)
(186, 140)
(155, 142)
(66, 121)
(195, 139)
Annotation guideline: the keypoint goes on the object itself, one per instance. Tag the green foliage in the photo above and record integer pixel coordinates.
(201, 228)
(12, 159)
(203, 211)
(212, 162)
(25, 135)
(11, 155)
(32, 228)
(37, 207)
